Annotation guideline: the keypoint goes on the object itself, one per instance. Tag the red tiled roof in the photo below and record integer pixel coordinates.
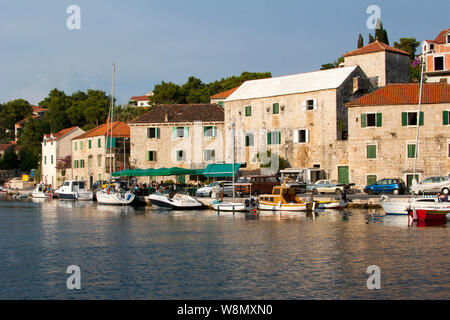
(182, 113)
(38, 109)
(4, 147)
(58, 135)
(374, 47)
(440, 39)
(34, 116)
(405, 94)
(120, 129)
(140, 98)
(224, 94)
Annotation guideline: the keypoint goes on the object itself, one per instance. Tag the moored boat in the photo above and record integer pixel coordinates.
(400, 207)
(41, 192)
(230, 207)
(283, 198)
(177, 202)
(74, 190)
(330, 204)
(115, 197)
(428, 213)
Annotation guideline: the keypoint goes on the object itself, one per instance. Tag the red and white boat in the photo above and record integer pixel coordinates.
(430, 212)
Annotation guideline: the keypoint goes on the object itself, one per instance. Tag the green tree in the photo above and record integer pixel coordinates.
(166, 93)
(12, 112)
(371, 38)
(127, 113)
(57, 102)
(332, 65)
(360, 41)
(380, 33)
(9, 160)
(409, 45)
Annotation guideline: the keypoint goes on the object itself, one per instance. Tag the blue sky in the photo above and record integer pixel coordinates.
(170, 40)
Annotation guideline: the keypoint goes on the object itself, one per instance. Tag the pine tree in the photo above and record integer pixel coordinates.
(371, 38)
(381, 34)
(360, 41)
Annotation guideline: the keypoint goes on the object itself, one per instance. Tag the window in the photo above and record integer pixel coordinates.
(90, 161)
(150, 156)
(371, 151)
(248, 111)
(51, 159)
(449, 150)
(180, 132)
(448, 38)
(81, 145)
(309, 104)
(301, 136)
(273, 137)
(371, 120)
(153, 133)
(45, 142)
(75, 163)
(445, 117)
(99, 143)
(181, 155)
(209, 131)
(75, 146)
(99, 160)
(276, 108)
(411, 150)
(210, 155)
(51, 141)
(438, 63)
(81, 163)
(410, 118)
(371, 179)
(90, 144)
(249, 140)
(45, 159)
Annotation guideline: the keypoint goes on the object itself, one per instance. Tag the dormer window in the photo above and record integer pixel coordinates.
(431, 46)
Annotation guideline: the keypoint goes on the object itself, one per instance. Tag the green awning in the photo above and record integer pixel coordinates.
(221, 170)
(174, 171)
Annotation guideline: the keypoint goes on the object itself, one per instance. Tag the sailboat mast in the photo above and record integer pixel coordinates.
(418, 119)
(111, 120)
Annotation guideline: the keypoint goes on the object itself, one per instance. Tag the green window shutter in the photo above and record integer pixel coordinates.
(213, 131)
(75, 145)
(404, 119)
(158, 133)
(204, 131)
(363, 120)
(99, 143)
(411, 150)
(421, 119)
(220, 103)
(269, 138)
(279, 138)
(147, 156)
(186, 132)
(445, 118)
(90, 144)
(276, 108)
(148, 132)
(379, 120)
(371, 152)
(174, 132)
(248, 111)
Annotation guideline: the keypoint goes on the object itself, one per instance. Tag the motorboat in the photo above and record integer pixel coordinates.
(115, 197)
(40, 192)
(229, 206)
(400, 207)
(429, 212)
(74, 190)
(283, 198)
(330, 204)
(175, 202)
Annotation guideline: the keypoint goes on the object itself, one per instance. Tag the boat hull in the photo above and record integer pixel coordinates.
(115, 199)
(295, 207)
(230, 207)
(331, 204)
(396, 208)
(163, 202)
(428, 214)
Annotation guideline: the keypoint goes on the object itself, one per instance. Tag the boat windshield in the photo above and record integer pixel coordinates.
(213, 184)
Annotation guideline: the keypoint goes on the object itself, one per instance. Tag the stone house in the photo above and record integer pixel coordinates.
(181, 135)
(382, 133)
(302, 118)
(383, 64)
(437, 57)
(94, 152)
(220, 97)
(56, 146)
(141, 101)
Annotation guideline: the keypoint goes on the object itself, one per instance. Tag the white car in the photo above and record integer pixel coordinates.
(216, 186)
(326, 186)
(432, 185)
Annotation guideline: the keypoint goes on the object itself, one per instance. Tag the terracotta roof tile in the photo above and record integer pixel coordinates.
(4, 147)
(120, 129)
(405, 94)
(140, 98)
(440, 39)
(224, 94)
(374, 47)
(58, 135)
(182, 113)
(34, 116)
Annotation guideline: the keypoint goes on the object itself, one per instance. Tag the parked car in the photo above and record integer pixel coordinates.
(395, 186)
(432, 185)
(326, 186)
(208, 190)
(258, 185)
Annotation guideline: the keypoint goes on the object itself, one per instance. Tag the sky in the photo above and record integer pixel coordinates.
(171, 40)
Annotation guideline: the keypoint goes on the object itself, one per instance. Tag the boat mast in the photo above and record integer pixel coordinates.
(111, 122)
(418, 119)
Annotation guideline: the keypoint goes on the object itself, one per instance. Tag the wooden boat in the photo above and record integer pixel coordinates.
(283, 198)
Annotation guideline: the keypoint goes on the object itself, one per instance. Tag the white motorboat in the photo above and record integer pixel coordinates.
(230, 206)
(330, 204)
(115, 197)
(74, 190)
(400, 207)
(41, 192)
(177, 202)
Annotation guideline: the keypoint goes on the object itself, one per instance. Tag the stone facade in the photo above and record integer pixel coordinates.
(380, 149)
(310, 135)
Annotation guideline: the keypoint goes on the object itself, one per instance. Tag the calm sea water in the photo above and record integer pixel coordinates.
(144, 253)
